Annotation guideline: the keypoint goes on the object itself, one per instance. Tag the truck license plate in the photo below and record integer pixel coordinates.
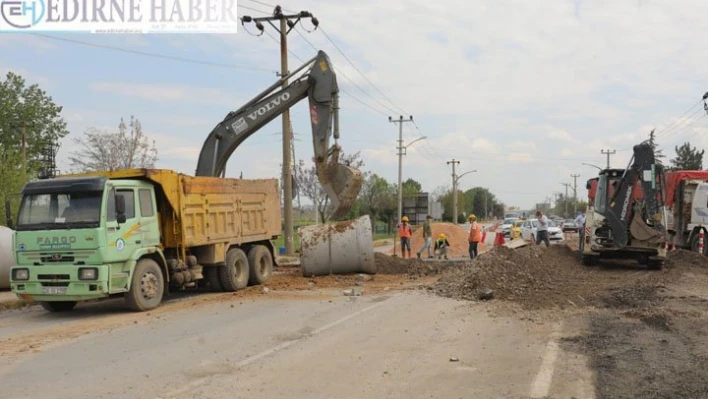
(53, 290)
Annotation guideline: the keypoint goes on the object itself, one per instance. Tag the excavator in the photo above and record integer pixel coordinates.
(626, 216)
(340, 182)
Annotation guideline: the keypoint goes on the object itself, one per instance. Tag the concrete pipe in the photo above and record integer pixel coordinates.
(337, 248)
(7, 257)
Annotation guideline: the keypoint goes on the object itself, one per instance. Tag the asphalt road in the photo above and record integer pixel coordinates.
(402, 345)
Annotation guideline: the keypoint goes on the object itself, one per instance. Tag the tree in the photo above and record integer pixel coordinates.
(378, 195)
(309, 185)
(25, 111)
(687, 158)
(658, 153)
(411, 188)
(100, 150)
(447, 201)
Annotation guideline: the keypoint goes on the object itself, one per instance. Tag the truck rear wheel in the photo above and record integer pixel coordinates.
(234, 275)
(62, 306)
(260, 262)
(147, 287)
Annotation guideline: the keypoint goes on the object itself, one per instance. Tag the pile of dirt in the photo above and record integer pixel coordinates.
(459, 246)
(683, 258)
(414, 268)
(539, 277)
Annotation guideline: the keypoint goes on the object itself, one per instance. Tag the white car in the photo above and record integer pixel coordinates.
(529, 228)
(507, 225)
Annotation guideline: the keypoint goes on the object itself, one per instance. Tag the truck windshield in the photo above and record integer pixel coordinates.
(60, 210)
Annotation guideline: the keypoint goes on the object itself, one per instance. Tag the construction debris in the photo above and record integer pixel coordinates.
(539, 277)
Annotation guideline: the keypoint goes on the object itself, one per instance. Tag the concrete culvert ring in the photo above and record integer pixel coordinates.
(261, 264)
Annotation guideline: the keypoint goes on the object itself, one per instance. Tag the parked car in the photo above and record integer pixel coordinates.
(529, 228)
(507, 225)
(569, 225)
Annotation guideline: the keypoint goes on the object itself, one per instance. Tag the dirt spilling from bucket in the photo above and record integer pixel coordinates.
(539, 277)
(459, 246)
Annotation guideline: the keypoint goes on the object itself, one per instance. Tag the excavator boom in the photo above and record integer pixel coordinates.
(340, 182)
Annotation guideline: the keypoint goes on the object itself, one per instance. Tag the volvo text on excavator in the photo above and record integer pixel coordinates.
(626, 217)
(319, 85)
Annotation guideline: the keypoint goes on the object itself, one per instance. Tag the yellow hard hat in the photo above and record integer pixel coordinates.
(472, 217)
(405, 218)
(441, 236)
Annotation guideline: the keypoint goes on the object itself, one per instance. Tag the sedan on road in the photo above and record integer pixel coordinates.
(530, 228)
(569, 225)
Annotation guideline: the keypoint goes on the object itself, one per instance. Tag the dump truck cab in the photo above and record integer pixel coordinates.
(78, 236)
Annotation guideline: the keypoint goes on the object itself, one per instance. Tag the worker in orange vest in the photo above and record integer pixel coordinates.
(405, 232)
(475, 235)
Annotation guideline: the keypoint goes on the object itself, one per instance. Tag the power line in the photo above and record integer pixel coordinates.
(339, 72)
(665, 128)
(360, 73)
(154, 55)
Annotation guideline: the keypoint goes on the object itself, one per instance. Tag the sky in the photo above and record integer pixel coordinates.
(522, 91)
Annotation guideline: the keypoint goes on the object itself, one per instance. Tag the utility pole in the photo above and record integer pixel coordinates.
(565, 199)
(454, 190)
(400, 154)
(608, 153)
(287, 23)
(575, 193)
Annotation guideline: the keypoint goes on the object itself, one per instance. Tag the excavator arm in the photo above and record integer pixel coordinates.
(340, 182)
(623, 215)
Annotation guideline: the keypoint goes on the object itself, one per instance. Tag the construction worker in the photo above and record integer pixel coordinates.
(405, 232)
(441, 246)
(427, 236)
(475, 235)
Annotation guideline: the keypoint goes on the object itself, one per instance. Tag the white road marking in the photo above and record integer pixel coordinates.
(268, 352)
(542, 384)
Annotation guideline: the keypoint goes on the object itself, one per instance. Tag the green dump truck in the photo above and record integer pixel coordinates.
(137, 233)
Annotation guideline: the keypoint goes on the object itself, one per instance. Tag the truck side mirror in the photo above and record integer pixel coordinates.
(8, 213)
(120, 209)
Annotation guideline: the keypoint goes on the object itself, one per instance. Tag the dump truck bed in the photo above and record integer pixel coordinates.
(200, 211)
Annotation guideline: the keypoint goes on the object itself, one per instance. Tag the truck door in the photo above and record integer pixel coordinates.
(699, 211)
(122, 240)
(149, 225)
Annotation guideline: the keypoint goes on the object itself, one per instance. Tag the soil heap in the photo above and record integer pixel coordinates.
(539, 277)
(414, 268)
(459, 247)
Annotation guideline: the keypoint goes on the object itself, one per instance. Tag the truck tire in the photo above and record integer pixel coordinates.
(62, 306)
(147, 287)
(260, 262)
(234, 275)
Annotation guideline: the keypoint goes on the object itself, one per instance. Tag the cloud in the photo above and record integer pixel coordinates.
(559, 134)
(164, 92)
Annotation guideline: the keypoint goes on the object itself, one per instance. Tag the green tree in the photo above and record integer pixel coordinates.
(378, 196)
(658, 153)
(101, 150)
(411, 188)
(447, 202)
(25, 110)
(687, 158)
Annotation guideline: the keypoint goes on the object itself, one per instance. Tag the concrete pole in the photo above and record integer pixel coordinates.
(454, 190)
(575, 193)
(287, 143)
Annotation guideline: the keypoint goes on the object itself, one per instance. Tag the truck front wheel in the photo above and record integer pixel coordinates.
(62, 306)
(261, 263)
(147, 287)
(234, 275)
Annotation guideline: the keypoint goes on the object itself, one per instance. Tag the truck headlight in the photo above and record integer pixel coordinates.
(88, 273)
(20, 274)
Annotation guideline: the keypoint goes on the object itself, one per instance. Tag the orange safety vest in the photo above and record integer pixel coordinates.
(404, 230)
(475, 233)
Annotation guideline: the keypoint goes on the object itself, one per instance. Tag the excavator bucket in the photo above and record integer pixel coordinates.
(342, 185)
